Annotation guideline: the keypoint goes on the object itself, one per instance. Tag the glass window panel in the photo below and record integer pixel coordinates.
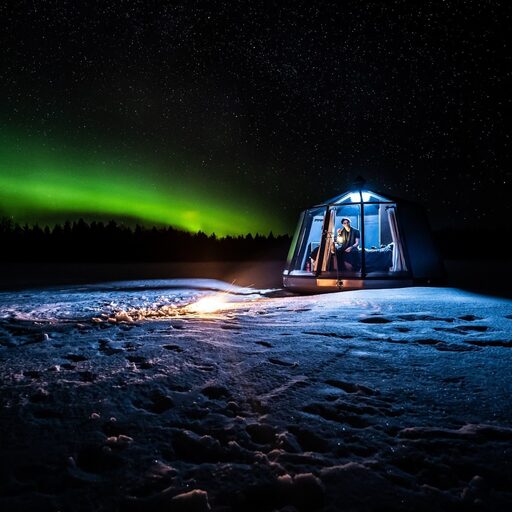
(308, 240)
(384, 253)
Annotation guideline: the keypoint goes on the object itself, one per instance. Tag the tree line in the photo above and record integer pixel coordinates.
(113, 242)
(107, 242)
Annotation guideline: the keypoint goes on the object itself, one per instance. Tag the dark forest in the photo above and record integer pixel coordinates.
(107, 242)
(79, 241)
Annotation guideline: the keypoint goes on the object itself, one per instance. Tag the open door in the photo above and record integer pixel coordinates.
(327, 248)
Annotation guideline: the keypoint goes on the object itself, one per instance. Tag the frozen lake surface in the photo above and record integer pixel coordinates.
(141, 396)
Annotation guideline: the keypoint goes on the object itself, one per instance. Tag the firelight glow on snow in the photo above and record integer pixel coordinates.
(36, 181)
(210, 304)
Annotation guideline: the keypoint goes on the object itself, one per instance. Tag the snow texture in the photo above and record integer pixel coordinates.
(124, 397)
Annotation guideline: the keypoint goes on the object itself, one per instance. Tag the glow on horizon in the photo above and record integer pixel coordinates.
(35, 182)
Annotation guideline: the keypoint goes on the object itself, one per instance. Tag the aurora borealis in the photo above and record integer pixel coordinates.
(40, 182)
(232, 118)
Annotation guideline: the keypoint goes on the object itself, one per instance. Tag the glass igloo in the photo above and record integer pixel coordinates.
(361, 239)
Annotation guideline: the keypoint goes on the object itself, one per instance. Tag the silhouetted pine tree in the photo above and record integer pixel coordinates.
(99, 242)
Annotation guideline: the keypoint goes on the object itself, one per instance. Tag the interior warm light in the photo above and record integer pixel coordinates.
(208, 305)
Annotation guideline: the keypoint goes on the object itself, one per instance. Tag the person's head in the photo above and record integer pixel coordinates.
(345, 222)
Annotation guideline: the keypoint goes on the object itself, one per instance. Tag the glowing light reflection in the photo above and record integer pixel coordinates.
(211, 304)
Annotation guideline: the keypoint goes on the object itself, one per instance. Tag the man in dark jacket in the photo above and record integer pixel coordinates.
(347, 243)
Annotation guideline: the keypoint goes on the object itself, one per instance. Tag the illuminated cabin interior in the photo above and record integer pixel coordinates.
(394, 249)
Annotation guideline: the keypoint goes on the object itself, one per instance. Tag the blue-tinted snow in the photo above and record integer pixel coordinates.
(397, 399)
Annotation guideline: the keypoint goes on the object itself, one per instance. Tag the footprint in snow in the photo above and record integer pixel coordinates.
(261, 433)
(425, 318)
(478, 328)
(428, 341)
(375, 320)
(463, 329)
(215, 392)
(206, 367)
(106, 348)
(469, 318)
(130, 346)
(40, 395)
(281, 362)
(229, 327)
(87, 376)
(309, 440)
(173, 348)
(350, 387)
(76, 358)
(140, 362)
(157, 403)
(33, 374)
(490, 343)
(328, 334)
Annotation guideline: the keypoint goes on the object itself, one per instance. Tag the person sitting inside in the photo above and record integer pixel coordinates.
(347, 243)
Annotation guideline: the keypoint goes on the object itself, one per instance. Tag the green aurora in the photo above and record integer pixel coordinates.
(38, 182)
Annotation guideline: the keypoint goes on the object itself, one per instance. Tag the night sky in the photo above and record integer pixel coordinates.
(233, 116)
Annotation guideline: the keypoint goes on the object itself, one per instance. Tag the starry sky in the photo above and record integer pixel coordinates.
(233, 116)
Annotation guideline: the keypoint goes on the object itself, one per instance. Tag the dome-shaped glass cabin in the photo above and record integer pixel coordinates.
(361, 239)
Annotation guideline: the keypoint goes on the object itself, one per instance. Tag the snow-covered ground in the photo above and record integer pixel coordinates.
(135, 396)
